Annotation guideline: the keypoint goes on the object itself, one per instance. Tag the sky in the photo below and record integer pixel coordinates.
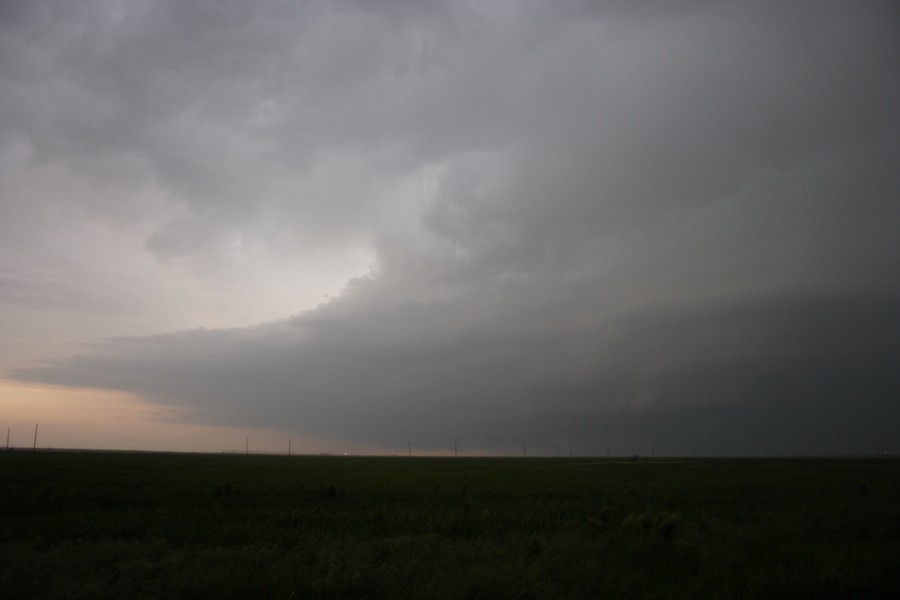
(543, 227)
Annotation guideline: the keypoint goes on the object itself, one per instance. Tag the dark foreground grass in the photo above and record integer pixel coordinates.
(106, 525)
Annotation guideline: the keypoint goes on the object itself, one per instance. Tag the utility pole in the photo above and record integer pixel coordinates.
(7, 439)
(289, 446)
(247, 446)
(34, 447)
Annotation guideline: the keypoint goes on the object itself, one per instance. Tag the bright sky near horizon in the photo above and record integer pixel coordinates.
(660, 226)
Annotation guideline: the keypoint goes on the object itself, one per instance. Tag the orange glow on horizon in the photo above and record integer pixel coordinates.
(112, 420)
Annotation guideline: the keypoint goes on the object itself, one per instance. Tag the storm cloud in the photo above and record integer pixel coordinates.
(673, 224)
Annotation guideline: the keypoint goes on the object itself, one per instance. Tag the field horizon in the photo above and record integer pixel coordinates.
(472, 455)
(109, 524)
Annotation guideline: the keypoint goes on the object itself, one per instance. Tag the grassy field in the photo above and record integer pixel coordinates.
(98, 525)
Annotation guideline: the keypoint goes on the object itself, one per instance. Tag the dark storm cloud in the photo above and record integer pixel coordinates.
(645, 223)
(795, 372)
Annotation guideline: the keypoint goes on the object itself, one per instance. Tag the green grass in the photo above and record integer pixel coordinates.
(107, 525)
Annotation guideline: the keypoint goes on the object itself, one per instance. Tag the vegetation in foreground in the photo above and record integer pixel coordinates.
(107, 525)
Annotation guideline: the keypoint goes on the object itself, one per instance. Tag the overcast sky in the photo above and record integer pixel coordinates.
(660, 227)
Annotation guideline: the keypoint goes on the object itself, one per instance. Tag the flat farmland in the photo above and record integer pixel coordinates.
(146, 525)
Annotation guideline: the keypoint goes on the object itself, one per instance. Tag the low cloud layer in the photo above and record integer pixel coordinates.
(671, 226)
(771, 374)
